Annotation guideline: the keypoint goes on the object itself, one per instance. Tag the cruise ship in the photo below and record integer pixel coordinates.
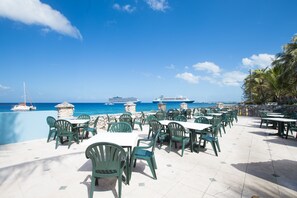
(121, 100)
(179, 99)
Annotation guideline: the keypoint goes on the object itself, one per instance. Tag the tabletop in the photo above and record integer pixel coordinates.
(208, 117)
(188, 125)
(280, 119)
(214, 114)
(78, 121)
(122, 139)
(275, 115)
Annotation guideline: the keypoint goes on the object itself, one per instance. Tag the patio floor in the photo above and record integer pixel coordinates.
(250, 163)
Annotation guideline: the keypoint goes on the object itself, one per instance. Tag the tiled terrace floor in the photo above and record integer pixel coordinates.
(250, 163)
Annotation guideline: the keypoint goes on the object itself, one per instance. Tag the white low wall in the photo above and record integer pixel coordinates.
(23, 126)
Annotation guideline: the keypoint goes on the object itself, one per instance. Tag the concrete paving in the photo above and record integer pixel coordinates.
(251, 163)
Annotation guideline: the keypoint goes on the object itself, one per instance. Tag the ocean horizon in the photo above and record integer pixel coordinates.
(102, 108)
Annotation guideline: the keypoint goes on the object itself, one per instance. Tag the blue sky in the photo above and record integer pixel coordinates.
(91, 50)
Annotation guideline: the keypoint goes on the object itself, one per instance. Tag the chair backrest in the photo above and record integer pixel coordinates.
(188, 113)
(175, 113)
(155, 127)
(202, 119)
(120, 127)
(50, 121)
(169, 114)
(176, 129)
(180, 118)
(126, 118)
(160, 115)
(106, 156)
(63, 127)
(215, 126)
(84, 116)
(151, 117)
(96, 122)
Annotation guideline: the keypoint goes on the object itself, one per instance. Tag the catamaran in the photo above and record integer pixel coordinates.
(23, 106)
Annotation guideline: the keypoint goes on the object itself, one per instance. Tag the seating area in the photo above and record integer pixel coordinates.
(251, 163)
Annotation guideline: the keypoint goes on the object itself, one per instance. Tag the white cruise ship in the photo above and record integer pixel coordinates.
(179, 99)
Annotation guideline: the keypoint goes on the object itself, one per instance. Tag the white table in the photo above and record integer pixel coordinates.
(281, 124)
(126, 140)
(192, 126)
(214, 114)
(207, 117)
(275, 115)
(78, 121)
(122, 139)
(188, 125)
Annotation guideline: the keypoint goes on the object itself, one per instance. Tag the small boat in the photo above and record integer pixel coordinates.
(108, 103)
(179, 99)
(23, 106)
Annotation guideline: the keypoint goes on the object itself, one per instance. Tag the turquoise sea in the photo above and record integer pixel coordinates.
(101, 108)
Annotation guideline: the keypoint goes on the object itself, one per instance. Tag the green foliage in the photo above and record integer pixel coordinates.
(276, 84)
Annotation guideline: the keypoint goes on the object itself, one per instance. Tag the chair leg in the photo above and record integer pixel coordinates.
(150, 163)
(149, 134)
(218, 145)
(57, 142)
(222, 125)
(154, 162)
(120, 185)
(220, 131)
(183, 148)
(49, 136)
(170, 144)
(214, 147)
(92, 186)
(69, 141)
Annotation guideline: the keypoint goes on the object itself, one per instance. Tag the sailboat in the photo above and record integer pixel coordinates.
(23, 106)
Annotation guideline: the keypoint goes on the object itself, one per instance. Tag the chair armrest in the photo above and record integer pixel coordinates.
(143, 140)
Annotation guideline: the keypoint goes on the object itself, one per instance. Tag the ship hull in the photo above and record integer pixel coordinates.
(173, 101)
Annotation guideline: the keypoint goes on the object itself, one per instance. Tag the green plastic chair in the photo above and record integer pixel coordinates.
(120, 127)
(151, 117)
(52, 128)
(108, 160)
(189, 113)
(127, 118)
(138, 121)
(80, 127)
(212, 136)
(145, 153)
(92, 130)
(169, 114)
(178, 134)
(175, 113)
(160, 115)
(64, 129)
(110, 120)
(195, 133)
(181, 118)
(156, 127)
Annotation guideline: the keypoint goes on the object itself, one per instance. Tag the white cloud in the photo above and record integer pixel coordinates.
(234, 78)
(35, 12)
(209, 67)
(158, 5)
(125, 8)
(189, 77)
(2, 87)
(260, 60)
